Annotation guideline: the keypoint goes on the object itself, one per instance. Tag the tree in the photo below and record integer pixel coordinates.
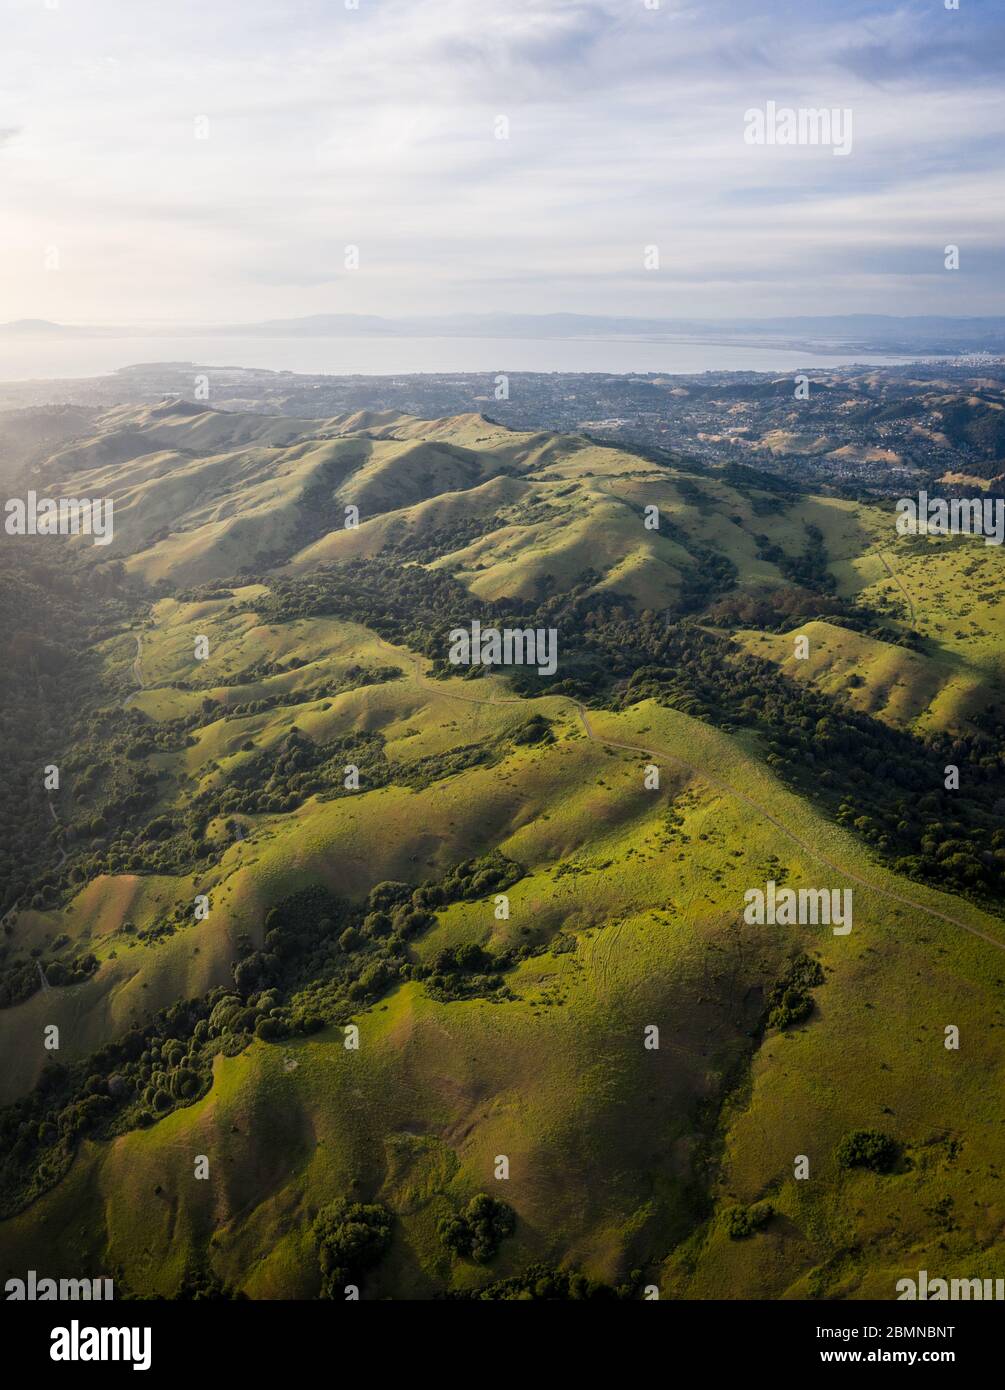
(351, 1237)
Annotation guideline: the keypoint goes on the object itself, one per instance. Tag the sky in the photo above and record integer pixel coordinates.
(212, 161)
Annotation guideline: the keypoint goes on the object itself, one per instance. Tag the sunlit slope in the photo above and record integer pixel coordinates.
(204, 495)
(950, 592)
(390, 832)
(605, 1139)
(954, 588)
(200, 494)
(341, 842)
(416, 523)
(889, 682)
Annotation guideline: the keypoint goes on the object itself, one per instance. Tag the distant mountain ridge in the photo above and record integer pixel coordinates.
(919, 333)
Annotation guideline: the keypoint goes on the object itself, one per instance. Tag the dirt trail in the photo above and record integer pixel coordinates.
(660, 755)
(897, 580)
(137, 670)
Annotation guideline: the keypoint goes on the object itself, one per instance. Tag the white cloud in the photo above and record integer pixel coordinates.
(328, 126)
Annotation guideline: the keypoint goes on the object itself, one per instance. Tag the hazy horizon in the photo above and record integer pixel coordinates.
(378, 356)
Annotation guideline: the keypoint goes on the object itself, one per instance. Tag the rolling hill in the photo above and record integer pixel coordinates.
(506, 901)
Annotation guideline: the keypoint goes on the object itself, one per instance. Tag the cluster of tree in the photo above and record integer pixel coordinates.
(167, 1063)
(536, 729)
(809, 568)
(122, 1086)
(200, 1283)
(53, 613)
(977, 420)
(405, 604)
(712, 573)
(435, 766)
(887, 784)
(868, 1148)
(467, 972)
(329, 960)
(254, 674)
(355, 679)
(104, 790)
(418, 607)
(750, 481)
(477, 1232)
(21, 976)
(790, 999)
(422, 544)
(322, 961)
(473, 878)
(107, 787)
(204, 593)
(742, 1222)
(351, 1238)
(780, 609)
(283, 777)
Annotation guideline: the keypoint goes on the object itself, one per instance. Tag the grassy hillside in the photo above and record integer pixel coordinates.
(252, 651)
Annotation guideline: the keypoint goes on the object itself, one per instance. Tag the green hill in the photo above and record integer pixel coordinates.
(505, 901)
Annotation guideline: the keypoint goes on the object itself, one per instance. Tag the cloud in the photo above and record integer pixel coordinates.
(377, 127)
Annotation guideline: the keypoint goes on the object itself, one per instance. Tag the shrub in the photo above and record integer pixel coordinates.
(270, 1029)
(537, 729)
(868, 1148)
(742, 1222)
